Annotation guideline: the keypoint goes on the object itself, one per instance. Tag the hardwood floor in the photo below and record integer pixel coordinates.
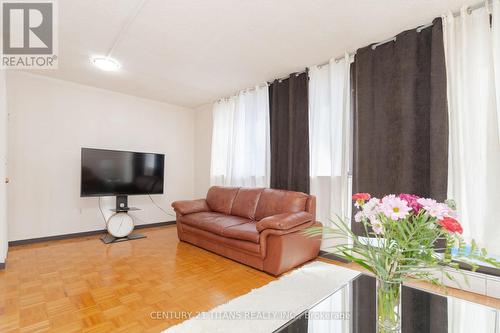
(82, 285)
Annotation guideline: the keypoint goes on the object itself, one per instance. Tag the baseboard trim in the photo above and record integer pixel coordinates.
(81, 234)
(331, 256)
(152, 225)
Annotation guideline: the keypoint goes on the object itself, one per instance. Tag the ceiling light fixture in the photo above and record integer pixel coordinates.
(106, 64)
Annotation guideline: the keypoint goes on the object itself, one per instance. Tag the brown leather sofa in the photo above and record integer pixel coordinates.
(255, 226)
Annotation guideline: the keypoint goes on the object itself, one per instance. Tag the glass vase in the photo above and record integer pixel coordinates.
(388, 306)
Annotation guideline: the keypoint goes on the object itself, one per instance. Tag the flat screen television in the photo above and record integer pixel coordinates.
(121, 173)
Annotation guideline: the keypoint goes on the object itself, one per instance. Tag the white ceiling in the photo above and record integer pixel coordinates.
(191, 52)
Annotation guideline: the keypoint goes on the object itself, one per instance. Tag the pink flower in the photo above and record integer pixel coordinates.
(426, 202)
(394, 207)
(436, 209)
(412, 201)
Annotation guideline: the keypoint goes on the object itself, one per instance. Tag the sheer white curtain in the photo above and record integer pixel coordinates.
(495, 31)
(471, 49)
(241, 140)
(329, 137)
(338, 304)
(3, 168)
(465, 317)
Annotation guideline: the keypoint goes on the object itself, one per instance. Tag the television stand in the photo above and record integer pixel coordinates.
(122, 203)
(124, 210)
(108, 239)
(120, 224)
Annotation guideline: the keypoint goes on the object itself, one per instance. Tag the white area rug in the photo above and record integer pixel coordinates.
(267, 308)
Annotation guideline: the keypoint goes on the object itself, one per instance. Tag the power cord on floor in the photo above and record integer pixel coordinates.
(159, 207)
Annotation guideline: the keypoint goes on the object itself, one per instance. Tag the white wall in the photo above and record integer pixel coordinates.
(202, 149)
(3, 168)
(50, 120)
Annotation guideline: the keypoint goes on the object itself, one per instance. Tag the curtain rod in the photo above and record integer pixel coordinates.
(286, 77)
(337, 59)
(241, 92)
(470, 9)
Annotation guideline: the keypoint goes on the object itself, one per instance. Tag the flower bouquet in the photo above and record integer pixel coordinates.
(401, 240)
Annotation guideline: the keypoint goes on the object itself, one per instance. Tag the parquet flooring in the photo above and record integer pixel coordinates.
(82, 285)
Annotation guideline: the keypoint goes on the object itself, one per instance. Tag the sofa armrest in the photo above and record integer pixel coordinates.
(190, 206)
(284, 221)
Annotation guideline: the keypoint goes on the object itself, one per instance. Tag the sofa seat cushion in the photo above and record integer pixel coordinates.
(212, 222)
(246, 231)
(238, 245)
(196, 219)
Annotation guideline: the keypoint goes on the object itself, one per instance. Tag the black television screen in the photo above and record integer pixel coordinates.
(113, 173)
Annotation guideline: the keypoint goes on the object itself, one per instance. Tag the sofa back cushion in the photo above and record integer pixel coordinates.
(272, 202)
(245, 203)
(220, 199)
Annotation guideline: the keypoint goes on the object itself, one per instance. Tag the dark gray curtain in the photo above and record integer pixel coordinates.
(400, 119)
(424, 312)
(288, 103)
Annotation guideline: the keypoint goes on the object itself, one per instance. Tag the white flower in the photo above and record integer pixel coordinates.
(371, 208)
(359, 216)
(376, 225)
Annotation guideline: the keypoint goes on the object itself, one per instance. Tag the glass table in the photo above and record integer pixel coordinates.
(351, 309)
